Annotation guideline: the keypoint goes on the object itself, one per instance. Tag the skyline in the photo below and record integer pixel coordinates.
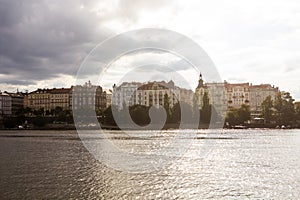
(43, 44)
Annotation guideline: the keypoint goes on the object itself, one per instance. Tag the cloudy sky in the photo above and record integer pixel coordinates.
(43, 43)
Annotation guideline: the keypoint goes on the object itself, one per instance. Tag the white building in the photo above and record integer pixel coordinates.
(150, 93)
(124, 94)
(10, 103)
(5, 104)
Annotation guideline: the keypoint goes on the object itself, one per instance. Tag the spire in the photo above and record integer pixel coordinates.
(200, 82)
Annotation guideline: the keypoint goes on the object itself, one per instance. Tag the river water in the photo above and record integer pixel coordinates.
(237, 164)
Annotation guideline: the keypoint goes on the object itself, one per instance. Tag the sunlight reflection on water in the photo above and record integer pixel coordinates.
(240, 164)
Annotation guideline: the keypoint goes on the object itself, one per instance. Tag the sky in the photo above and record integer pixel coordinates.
(44, 43)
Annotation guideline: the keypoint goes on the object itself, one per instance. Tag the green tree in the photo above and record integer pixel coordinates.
(176, 113)
(297, 111)
(205, 113)
(108, 116)
(195, 110)
(231, 117)
(58, 110)
(267, 109)
(285, 111)
(167, 106)
(238, 115)
(139, 114)
(244, 113)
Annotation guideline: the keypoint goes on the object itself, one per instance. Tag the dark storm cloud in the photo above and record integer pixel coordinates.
(42, 39)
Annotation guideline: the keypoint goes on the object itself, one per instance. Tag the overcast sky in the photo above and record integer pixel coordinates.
(43, 43)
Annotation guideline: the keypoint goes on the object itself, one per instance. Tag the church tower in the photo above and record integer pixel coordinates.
(200, 90)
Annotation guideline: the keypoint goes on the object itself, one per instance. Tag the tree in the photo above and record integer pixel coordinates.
(244, 113)
(231, 117)
(108, 116)
(195, 110)
(167, 106)
(278, 105)
(176, 113)
(58, 110)
(139, 114)
(267, 109)
(297, 111)
(239, 115)
(205, 113)
(39, 112)
(285, 111)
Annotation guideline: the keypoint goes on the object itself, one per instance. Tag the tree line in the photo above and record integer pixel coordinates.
(280, 111)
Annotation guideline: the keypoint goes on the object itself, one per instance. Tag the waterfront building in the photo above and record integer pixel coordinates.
(258, 93)
(150, 93)
(10, 103)
(237, 94)
(200, 90)
(186, 95)
(49, 99)
(5, 104)
(153, 93)
(218, 97)
(124, 94)
(108, 94)
(88, 96)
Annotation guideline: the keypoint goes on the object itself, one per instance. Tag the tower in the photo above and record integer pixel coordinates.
(200, 90)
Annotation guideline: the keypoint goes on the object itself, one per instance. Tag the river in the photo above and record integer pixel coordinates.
(237, 164)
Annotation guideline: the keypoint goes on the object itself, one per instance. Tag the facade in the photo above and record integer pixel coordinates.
(49, 99)
(152, 94)
(5, 104)
(186, 96)
(226, 96)
(200, 90)
(258, 93)
(217, 94)
(88, 96)
(237, 94)
(124, 94)
(218, 97)
(108, 94)
(10, 103)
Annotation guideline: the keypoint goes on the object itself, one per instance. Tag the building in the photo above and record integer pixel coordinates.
(108, 94)
(153, 93)
(88, 96)
(217, 94)
(5, 104)
(10, 103)
(124, 94)
(237, 94)
(200, 90)
(186, 96)
(49, 99)
(150, 93)
(218, 97)
(258, 93)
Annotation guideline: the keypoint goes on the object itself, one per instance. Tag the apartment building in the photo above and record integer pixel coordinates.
(88, 96)
(49, 99)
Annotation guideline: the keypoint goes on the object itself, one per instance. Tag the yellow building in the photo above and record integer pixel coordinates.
(49, 99)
